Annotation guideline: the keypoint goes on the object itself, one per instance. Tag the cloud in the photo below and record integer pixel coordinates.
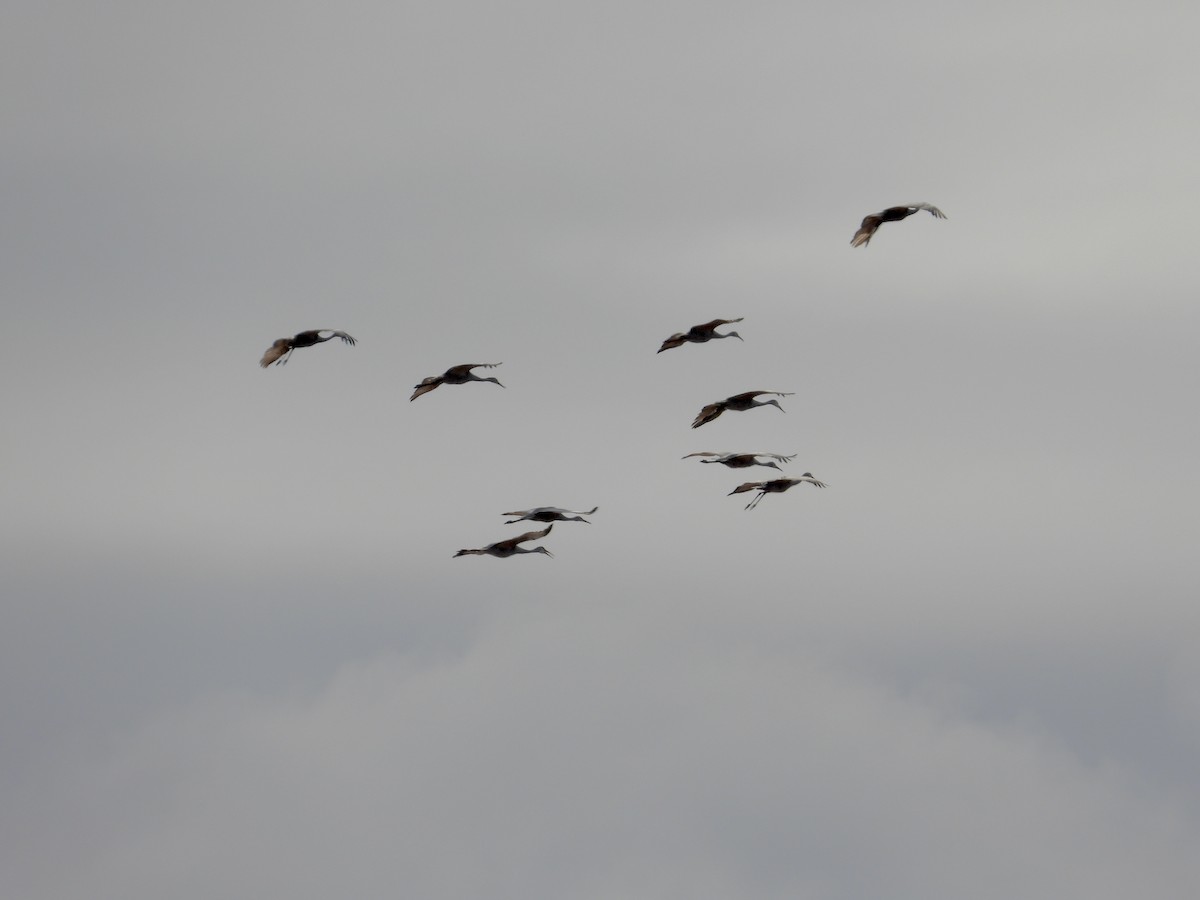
(576, 756)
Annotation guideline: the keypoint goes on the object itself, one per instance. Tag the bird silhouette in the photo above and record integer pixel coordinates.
(281, 350)
(871, 223)
(550, 514)
(774, 486)
(700, 334)
(737, 403)
(744, 460)
(506, 548)
(454, 375)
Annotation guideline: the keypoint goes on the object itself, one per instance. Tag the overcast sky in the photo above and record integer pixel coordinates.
(237, 658)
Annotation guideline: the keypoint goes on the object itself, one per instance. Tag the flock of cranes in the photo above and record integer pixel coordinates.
(740, 403)
(281, 350)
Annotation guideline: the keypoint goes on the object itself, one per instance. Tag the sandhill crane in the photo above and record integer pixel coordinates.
(550, 514)
(871, 223)
(700, 334)
(774, 486)
(744, 460)
(454, 375)
(282, 348)
(738, 403)
(506, 548)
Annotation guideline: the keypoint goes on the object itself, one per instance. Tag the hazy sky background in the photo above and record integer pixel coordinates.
(237, 658)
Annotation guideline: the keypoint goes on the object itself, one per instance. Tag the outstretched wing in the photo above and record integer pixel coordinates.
(345, 337)
(708, 413)
(869, 226)
(465, 369)
(750, 395)
(808, 477)
(748, 486)
(425, 387)
(510, 543)
(777, 457)
(930, 208)
(676, 340)
(275, 351)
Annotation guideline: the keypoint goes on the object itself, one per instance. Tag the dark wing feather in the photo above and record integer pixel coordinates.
(425, 387)
(708, 413)
(275, 351)
(675, 340)
(869, 226)
(510, 543)
(748, 486)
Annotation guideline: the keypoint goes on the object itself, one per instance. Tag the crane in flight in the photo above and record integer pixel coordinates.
(774, 486)
(509, 547)
(744, 460)
(550, 514)
(454, 375)
(700, 334)
(871, 223)
(279, 351)
(738, 403)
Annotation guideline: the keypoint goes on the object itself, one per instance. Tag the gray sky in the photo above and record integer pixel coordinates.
(237, 658)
